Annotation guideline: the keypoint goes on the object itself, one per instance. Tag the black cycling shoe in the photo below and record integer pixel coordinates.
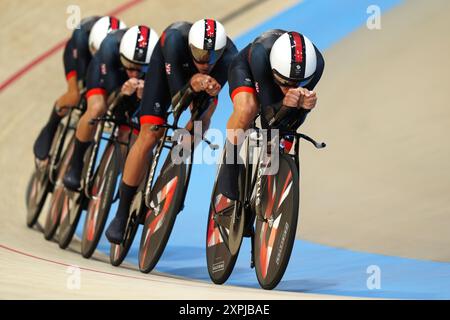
(72, 178)
(43, 143)
(228, 181)
(116, 229)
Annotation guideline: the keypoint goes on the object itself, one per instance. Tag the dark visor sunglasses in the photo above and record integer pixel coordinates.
(205, 56)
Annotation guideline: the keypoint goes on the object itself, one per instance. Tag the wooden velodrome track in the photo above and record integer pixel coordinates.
(383, 185)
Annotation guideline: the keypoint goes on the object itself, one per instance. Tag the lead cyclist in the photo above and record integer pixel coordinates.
(278, 68)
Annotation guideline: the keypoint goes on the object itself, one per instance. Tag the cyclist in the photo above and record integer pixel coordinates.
(277, 69)
(118, 66)
(83, 44)
(189, 61)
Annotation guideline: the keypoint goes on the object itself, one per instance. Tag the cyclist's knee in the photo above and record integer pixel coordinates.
(72, 95)
(246, 112)
(96, 110)
(69, 99)
(74, 98)
(147, 137)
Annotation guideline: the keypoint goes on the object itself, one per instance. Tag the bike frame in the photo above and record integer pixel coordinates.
(251, 180)
(88, 177)
(166, 138)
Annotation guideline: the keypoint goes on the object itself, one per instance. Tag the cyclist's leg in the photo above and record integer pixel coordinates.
(98, 84)
(70, 98)
(156, 93)
(135, 165)
(96, 107)
(245, 109)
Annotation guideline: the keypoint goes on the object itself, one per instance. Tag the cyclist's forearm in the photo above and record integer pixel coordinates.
(302, 116)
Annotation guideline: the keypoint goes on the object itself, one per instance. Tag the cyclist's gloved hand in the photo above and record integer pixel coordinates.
(203, 82)
(292, 98)
(307, 100)
(140, 89)
(130, 86)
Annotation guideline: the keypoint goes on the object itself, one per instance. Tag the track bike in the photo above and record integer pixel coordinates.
(157, 203)
(67, 205)
(103, 194)
(44, 178)
(267, 209)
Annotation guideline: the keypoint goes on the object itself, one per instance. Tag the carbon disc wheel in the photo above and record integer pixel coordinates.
(99, 205)
(224, 235)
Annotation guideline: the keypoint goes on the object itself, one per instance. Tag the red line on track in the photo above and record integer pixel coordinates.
(22, 71)
(72, 265)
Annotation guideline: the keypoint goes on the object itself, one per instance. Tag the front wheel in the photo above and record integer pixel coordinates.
(223, 235)
(166, 201)
(276, 228)
(102, 197)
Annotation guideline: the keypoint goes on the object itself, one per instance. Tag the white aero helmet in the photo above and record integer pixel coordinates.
(207, 41)
(293, 60)
(136, 46)
(100, 30)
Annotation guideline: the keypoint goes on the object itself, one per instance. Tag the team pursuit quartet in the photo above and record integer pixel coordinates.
(116, 138)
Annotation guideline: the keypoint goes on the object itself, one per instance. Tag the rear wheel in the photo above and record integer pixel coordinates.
(275, 234)
(99, 205)
(223, 236)
(166, 202)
